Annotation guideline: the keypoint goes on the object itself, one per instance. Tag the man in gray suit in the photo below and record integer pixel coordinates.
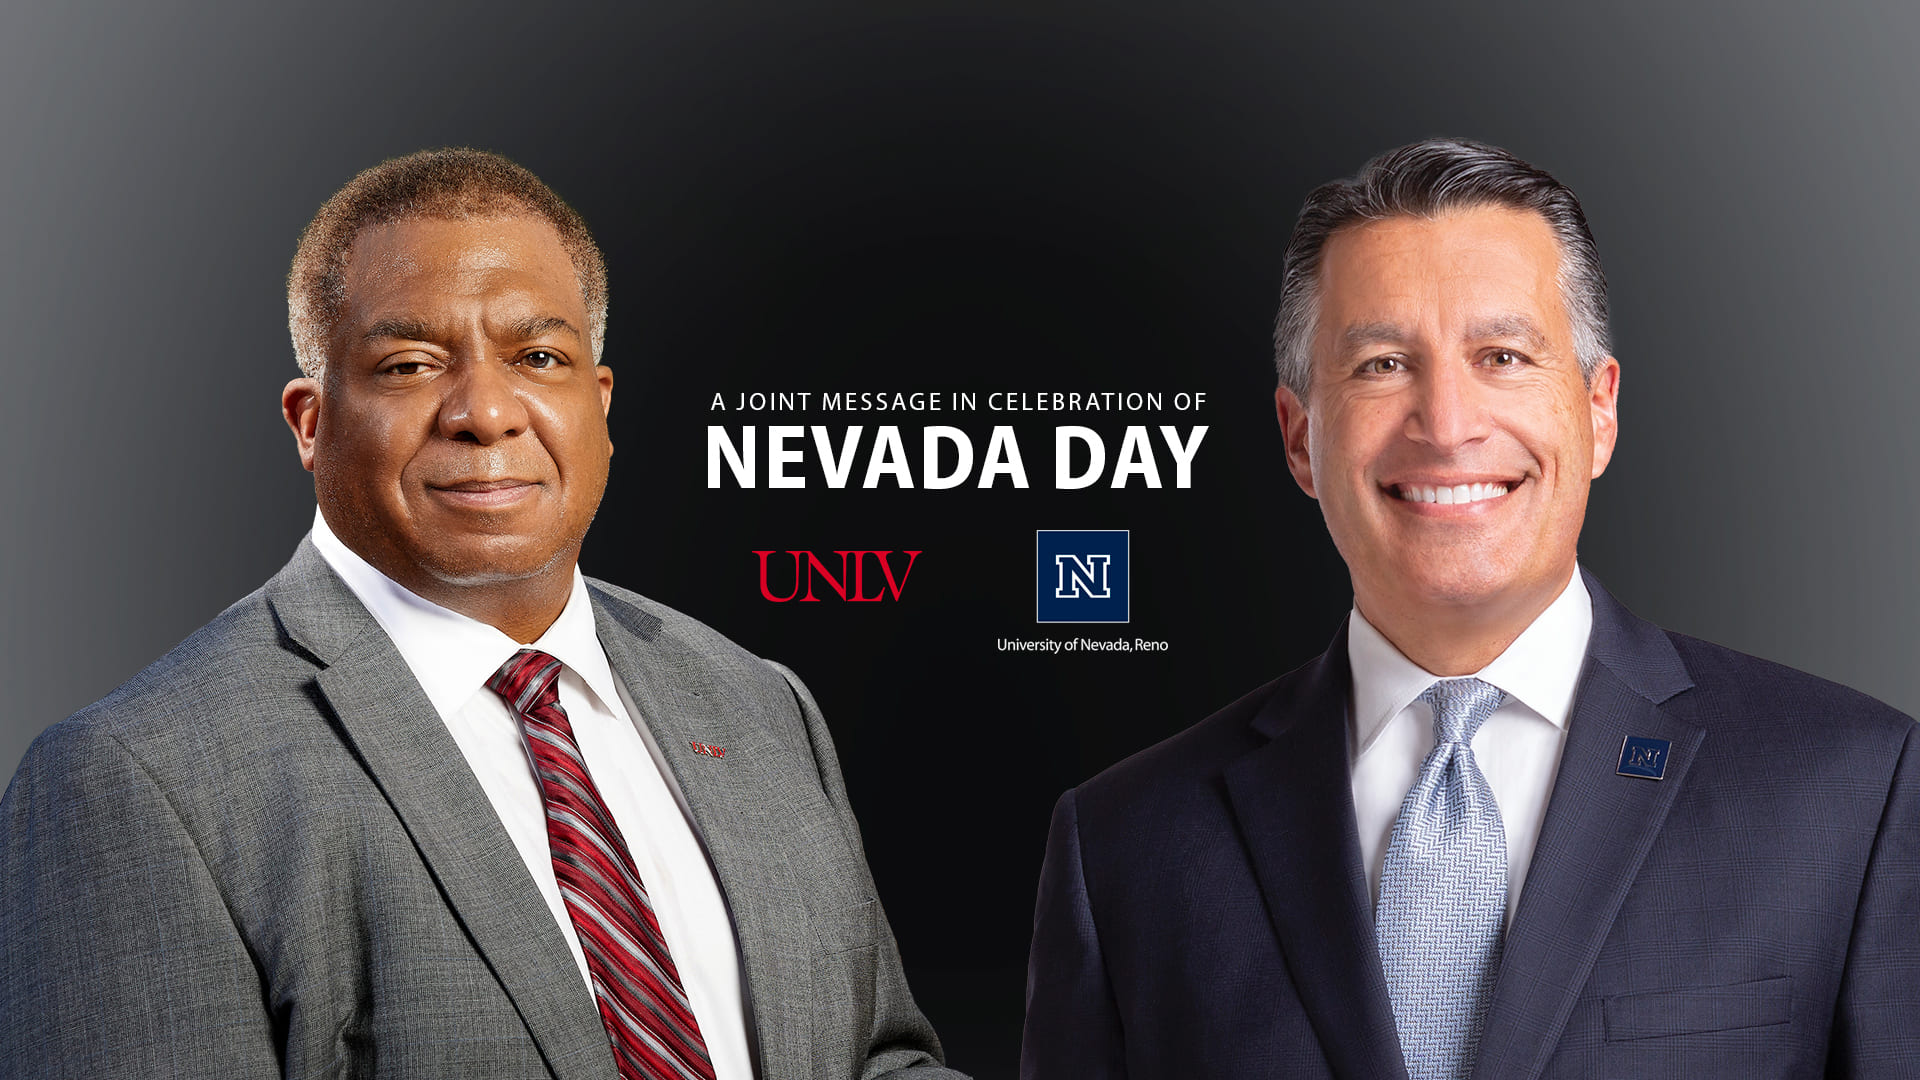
(431, 803)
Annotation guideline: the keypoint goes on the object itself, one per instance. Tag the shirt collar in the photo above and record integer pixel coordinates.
(452, 656)
(1540, 670)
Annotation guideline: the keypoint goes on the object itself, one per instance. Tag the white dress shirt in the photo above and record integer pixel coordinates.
(1517, 749)
(452, 657)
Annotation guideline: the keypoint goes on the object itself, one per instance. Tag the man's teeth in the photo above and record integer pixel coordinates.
(1459, 493)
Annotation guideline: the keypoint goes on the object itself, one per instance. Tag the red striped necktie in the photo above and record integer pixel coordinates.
(642, 1003)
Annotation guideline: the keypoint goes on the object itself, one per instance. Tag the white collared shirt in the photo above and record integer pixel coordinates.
(1517, 749)
(452, 657)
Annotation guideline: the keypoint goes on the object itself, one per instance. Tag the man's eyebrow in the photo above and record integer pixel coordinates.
(405, 328)
(534, 326)
(1509, 327)
(1360, 335)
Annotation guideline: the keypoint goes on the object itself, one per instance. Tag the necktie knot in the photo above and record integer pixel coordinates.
(527, 677)
(1460, 706)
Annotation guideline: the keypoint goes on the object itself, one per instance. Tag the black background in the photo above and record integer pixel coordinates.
(963, 197)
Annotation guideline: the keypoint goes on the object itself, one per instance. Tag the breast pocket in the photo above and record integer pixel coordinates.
(1695, 1010)
(848, 928)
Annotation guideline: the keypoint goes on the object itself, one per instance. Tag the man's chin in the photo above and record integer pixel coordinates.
(1471, 585)
(495, 561)
(1459, 584)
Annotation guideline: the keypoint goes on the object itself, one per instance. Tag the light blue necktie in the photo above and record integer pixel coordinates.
(1443, 892)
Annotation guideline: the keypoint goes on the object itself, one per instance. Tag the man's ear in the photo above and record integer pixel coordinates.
(300, 408)
(1293, 431)
(604, 375)
(1603, 395)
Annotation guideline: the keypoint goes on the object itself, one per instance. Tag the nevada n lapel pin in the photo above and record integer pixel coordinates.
(1644, 757)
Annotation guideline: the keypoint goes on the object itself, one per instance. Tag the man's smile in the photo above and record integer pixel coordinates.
(1453, 494)
(484, 494)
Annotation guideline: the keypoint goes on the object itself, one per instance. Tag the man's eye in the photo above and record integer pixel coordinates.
(540, 358)
(406, 367)
(1505, 358)
(1383, 365)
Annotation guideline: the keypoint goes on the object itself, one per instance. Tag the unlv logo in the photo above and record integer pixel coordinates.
(856, 567)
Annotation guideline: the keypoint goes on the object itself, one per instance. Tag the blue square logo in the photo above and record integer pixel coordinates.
(1080, 576)
(1644, 757)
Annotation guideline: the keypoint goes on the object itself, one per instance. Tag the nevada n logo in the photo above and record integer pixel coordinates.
(1080, 575)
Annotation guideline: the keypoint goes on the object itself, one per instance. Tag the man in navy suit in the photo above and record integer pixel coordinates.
(1501, 828)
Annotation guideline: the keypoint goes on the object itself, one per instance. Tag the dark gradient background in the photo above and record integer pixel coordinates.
(933, 196)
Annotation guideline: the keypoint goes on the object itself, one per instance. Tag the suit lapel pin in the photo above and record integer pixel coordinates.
(709, 750)
(1644, 757)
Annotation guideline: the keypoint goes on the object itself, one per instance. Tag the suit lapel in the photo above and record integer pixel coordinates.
(681, 703)
(1598, 829)
(421, 771)
(1293, 798)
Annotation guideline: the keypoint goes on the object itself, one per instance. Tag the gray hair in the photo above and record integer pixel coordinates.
(1427, 179)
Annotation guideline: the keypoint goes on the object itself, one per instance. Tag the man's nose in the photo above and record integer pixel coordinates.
(1451, 408)
(483, 404)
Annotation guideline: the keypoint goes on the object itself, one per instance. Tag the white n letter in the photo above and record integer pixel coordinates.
(740, 462)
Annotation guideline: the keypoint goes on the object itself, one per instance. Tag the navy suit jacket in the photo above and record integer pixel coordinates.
(1755, 913)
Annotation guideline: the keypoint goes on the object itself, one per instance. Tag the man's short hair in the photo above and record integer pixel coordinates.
(450, 184)
(1427, 179)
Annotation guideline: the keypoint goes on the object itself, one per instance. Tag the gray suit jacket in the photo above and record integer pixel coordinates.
(265, 855)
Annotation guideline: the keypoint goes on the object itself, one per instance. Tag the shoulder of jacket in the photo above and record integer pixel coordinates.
(1734, 687)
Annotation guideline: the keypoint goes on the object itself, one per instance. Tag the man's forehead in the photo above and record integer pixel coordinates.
(453, 246)
(1485, 272)
(436, 279)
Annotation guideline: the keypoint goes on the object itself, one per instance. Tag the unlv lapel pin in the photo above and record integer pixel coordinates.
(708, 750)
(1644, 757)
